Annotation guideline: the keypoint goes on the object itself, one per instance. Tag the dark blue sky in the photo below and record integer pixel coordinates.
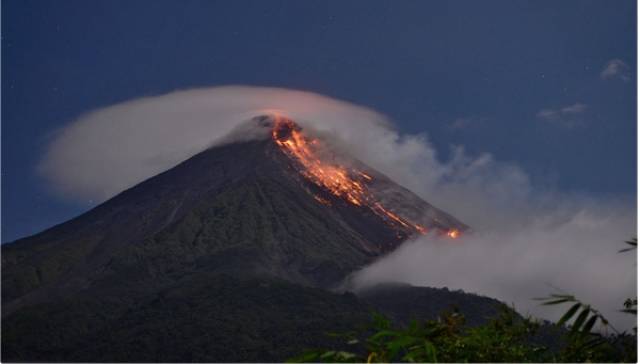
(520, 79)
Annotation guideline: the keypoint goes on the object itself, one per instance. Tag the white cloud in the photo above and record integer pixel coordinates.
(464, 123)
(616, 69)
(572, 249)
(567, 116)
(576, 108)
(113, 148)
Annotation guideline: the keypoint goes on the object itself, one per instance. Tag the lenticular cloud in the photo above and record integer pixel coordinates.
(108, 150)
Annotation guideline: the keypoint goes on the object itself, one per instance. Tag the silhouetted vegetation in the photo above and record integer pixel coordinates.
(506, 338)
(208, 317)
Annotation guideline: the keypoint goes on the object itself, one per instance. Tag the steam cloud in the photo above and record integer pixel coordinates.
(572, 251)
(525, 240)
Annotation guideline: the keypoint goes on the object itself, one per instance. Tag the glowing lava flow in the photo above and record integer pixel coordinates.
(349, 184)
(453, 233)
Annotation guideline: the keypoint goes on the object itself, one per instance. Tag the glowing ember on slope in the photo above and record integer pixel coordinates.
(453, 233)
(347, 183)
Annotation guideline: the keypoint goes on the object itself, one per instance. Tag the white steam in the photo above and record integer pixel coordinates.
(525, 241)
(572, 250)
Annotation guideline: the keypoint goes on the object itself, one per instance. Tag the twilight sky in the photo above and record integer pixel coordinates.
(548, 85)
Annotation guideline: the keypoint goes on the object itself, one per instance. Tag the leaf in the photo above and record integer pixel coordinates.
(430, 352)
(381, 322)
(556, 302)
(554, 295)
(344, 356)
(589, 325)
(580, 320)
(592, 343)
(561, 295)
(413, 325)
(403, 341)
(328, 354)
(383, 333)
(569, 314)
(399, 343)
(630, 303)
(634, 245)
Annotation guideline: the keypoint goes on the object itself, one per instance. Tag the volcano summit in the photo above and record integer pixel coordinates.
(283, 211)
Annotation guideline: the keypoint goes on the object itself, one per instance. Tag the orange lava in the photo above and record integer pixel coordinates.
(453, 233)
(340, 181)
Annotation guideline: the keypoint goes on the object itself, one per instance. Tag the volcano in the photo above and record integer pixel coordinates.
(251, 230)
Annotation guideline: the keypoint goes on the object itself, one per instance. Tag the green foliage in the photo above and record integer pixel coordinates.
(446, 339)
(506, 338)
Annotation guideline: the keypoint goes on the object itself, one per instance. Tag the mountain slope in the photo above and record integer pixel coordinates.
(242, 207)
(277, 209)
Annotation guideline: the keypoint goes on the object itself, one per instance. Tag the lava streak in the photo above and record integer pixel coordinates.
(453, 233)
(347, 183)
